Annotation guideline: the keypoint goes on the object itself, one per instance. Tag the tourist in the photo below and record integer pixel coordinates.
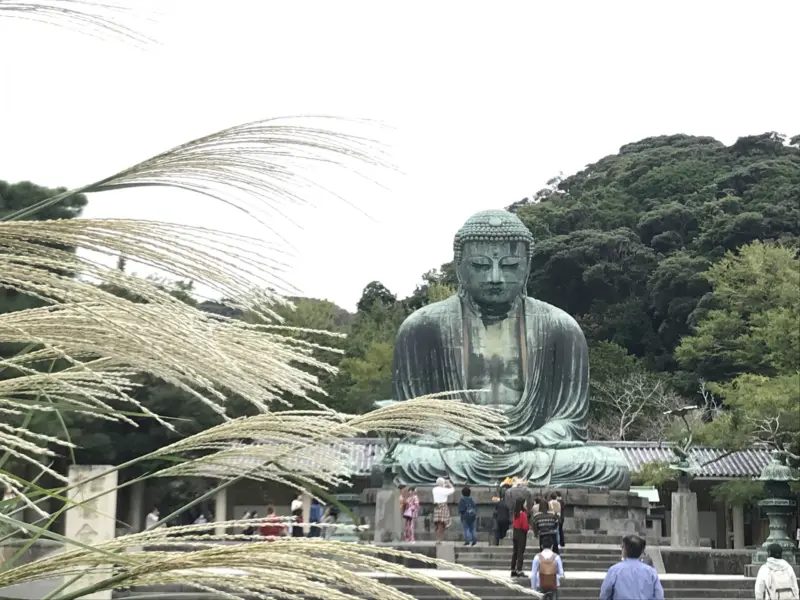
(151, 519)
(410, 515)
(315, 516)
(330, 518)
(545, 524)
(519, 537)
(250, 529)
(271, 527)
(502, 519)
(297, 513)
(547, 571)
(776, 578)
(537, 501)
(468, 511)
(560, 519)
(555, 507)
(631, 578)
(441, 511)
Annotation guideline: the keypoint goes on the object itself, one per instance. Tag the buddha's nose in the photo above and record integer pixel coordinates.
(496, 276)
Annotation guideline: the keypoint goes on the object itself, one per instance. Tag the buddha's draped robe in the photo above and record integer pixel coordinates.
(429, 358)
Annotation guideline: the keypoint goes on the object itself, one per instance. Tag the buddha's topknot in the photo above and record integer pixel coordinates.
(492, 225)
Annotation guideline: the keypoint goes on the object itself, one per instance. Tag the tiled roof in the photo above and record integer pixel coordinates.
(712, 461)
(365, 452)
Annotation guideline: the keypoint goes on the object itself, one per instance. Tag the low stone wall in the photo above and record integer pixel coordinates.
(705, 561)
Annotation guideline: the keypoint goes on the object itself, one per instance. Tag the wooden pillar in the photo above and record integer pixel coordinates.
(737, 515)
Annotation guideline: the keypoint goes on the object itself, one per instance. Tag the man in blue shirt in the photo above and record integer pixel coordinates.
(631, 579)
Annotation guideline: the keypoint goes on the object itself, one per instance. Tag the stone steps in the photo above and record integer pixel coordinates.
(498, 558)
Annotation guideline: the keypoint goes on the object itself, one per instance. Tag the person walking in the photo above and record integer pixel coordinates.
(502, 520)
(468, 511)
(547, 570)
(631, 578)
(315, 516)
(297, 513)
(560, 520)
(776, 579)
(441, 511)
(151, 519)
(410, 514)
(520, 537)
(271, 528)
(555, 507)
(545, 524)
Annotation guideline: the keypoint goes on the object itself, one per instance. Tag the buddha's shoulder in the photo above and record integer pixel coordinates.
(554, 315)
(434, 313)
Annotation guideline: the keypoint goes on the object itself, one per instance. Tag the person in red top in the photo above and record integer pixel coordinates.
(520, 537)
(272, 527)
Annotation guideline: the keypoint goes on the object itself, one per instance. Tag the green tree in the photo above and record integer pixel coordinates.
(751, 321)
(687, 200)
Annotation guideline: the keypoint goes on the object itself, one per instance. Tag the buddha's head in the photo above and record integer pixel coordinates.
(492, 256)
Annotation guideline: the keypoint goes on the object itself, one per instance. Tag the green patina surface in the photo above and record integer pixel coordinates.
(529, 357)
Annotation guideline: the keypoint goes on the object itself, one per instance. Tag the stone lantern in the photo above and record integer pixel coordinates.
(779, 506)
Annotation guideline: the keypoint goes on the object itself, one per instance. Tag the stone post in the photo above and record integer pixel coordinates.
(95, 521)
(388, 527)
(306, 513)
(684, 521)
(220, 510)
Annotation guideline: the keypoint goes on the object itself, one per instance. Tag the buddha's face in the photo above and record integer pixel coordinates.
(493, 272)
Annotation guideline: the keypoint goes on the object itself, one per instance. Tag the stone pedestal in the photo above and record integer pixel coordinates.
(94, 522)
(387, 524)
(612, 513)
(684, 522)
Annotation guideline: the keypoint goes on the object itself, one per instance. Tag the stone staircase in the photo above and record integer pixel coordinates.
(590, 557)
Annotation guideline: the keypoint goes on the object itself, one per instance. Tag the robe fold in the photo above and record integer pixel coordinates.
(429, 357)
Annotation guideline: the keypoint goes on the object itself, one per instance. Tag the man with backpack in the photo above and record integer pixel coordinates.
(776, 579)
(547, 570)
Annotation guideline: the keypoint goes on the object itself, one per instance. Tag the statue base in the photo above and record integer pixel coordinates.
(591, 515)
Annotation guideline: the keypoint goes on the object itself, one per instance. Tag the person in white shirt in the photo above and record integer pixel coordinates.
(547, 570)
(776, 579)
(151, 519)
(441, 511)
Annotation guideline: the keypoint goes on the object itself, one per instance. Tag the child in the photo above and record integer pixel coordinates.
(410, 512)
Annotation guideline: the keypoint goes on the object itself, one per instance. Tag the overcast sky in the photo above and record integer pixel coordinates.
(486, 100)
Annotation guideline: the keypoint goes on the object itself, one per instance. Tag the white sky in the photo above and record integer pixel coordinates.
(486, 100)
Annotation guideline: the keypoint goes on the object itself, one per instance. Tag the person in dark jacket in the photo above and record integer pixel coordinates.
(545, 524)
(560, 520)
(502, 520)
(468, 511)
